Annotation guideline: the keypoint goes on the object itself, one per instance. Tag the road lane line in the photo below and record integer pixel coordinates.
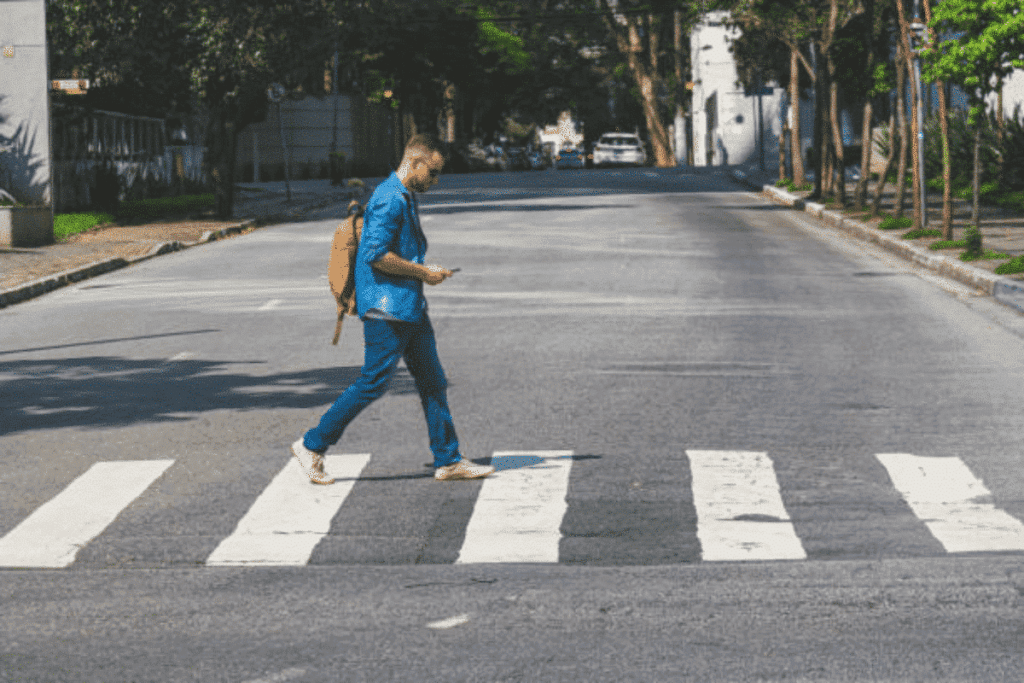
(290, 517)
(518, 513)
(53, 534)
(270, 305)
(740, 513)
(953, 503)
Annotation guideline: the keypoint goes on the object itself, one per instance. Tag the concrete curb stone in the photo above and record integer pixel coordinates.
(1006, 291)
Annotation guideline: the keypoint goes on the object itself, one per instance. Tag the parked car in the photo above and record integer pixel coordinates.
(619, 148)
(517, 160)
(569, 158)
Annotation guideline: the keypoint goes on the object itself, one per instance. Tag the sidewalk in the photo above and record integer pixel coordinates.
(1002, 232)
(26, 273)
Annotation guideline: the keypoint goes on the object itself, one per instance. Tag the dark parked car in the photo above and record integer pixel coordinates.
(570, 158)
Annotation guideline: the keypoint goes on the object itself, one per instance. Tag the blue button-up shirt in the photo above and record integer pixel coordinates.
(390, 223)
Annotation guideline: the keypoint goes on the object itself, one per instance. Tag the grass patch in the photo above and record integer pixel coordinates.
(66, 224)
(148, 209)
(949, 244)
(1014, 265)
(987, 255)
(138, 211)
(791, 186)
(922, 232)
(893, 223)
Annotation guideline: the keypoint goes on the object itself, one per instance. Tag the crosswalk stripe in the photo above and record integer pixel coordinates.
(53, 534)
(289, 518)
(519, 511)
(740, 514)
(950, 500)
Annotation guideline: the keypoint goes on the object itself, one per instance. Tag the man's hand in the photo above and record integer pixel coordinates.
(436, 275)
(393, 264)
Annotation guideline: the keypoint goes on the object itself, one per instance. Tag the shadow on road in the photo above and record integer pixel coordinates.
(100, 391)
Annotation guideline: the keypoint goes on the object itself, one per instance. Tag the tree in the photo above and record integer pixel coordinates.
(982, 41)
(217, 55)
(637, 29)
(791, 23)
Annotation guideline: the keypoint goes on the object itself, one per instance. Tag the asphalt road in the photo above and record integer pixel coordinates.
(731, 445)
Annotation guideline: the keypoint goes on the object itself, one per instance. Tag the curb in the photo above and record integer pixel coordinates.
(48, 283)
(1006, 291)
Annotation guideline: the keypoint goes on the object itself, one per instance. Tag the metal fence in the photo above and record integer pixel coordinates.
(102, 155)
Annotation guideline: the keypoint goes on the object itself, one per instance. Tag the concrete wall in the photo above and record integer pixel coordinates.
(24, 101)
(730, 126)
(367, 133)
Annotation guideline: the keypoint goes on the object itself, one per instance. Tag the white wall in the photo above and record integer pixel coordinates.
(24, 101)
(729, 126)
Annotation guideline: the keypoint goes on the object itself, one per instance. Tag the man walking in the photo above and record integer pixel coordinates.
(389, 276)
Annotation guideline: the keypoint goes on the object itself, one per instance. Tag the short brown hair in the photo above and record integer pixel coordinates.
(422, 143)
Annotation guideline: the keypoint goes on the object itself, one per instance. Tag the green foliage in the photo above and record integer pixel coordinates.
(922, 232)
(961, 151)
(66, 224)
(893, 223)
(1014, 265)
(983, 255)
(984, 43)
(948, 244)
(148, 209)
(972, 242)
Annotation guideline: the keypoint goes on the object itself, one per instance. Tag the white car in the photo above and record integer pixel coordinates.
(619, 148)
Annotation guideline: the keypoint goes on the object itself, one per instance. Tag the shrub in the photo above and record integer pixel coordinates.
(66, 224)
(893, 223)
(1014, 265)
(148, 209)
(922, 232)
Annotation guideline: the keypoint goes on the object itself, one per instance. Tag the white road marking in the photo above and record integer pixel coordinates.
(270, 305)
(953, 503)
(53, 534)
(740, 514)
(450, 622)
(518, 513)
(289, 518)
(286, 675)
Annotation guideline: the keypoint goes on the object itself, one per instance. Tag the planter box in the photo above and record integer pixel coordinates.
(25, 226)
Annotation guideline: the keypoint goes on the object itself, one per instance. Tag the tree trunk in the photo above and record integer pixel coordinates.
(867, 140)
(947, 170)
(837, 136)
(819, 133)
(901, 114)
(876, 203)
(646, 77)
(221, 145)
(916, 140)
(976, 184)
(796, 150)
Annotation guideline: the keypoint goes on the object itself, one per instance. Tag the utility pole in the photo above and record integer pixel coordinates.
(917, 31)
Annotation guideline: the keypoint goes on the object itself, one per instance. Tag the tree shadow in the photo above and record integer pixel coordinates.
(19, 167)
(96, 392)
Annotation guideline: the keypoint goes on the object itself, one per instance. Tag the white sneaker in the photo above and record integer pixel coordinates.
(312, 463)
(463, 469)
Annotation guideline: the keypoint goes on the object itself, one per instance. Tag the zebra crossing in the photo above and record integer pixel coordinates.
(518, 513)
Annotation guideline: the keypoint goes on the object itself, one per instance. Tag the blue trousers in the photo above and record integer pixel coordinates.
(387, 342)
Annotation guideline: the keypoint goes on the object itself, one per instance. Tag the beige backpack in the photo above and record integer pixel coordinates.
(341, 268)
